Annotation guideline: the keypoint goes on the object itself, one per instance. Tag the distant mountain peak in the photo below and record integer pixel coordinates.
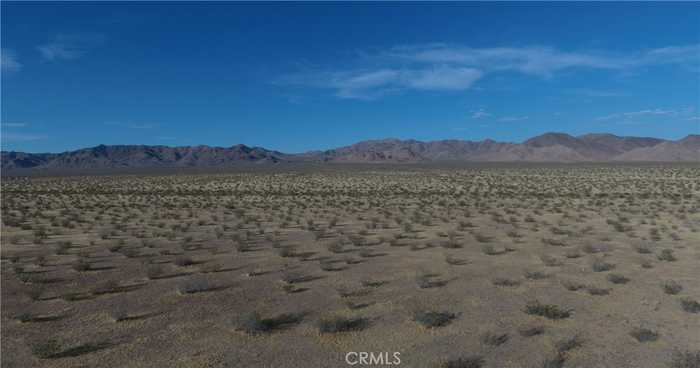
(553, 147)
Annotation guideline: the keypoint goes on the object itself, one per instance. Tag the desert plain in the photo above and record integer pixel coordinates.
(538, 265)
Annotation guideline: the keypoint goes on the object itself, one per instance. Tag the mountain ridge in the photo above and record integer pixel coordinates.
(547, 147)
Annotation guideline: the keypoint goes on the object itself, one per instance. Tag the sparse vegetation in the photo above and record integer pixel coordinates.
(196, 250)
(431, 319)
(336, 324)
(549, 311)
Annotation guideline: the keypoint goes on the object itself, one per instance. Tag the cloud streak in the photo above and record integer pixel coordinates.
(14, 125)
(643, 113)
(480, 114)
(443, 67)
(371, 84)
(8, 61)
(508, 119)
(21, 137)
(69, 47)
(138, 126)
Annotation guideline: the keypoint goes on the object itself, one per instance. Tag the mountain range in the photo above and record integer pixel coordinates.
(549, 147)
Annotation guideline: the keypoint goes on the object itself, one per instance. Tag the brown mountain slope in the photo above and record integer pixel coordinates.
(549, 147)
(686, 149)
(141, 156)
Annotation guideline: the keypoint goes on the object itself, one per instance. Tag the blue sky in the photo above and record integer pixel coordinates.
(297, 77)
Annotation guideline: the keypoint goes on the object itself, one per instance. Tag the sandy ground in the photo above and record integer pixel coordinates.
(96, 269)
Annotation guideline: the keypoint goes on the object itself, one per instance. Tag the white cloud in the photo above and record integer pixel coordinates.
(513, 118)
(442, 78)
(69, 47)
(370, 84)
(21, 137)
(8, 61)
(15, 125)
(594, 92)
(478, 114)
(542, 61)
(641, 113)
(132, 125)
(442, 67)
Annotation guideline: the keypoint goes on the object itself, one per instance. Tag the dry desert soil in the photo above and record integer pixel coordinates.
(493, 266)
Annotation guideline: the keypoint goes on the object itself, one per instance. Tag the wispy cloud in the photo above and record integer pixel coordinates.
(643, 113)
(69, 47)
(543, 61)
(479, 114)
(14, 125)
(508, 119)
(370, 84)
(444, 67)
(8, 61)
(132, 125)
(594, 92)
(21, 137)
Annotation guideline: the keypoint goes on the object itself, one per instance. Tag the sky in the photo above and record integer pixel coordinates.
(306, 76)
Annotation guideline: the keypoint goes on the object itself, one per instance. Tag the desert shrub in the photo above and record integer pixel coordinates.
(332, 266)
(529, 331)
(690, 305)
(155, 272)
(556, 361)
(590, 248)
(285, 252)
(685, 359)
(535, 275)
(572, 253)
(549, 311)
(81, 265)
(211, 267)
(183, 261)
(616, 278)
(335, 247)
(502, 281)
(599, 265)
(106, 287)
(46, 349)
(489, 250)
(550, 261)
(672, 287)
(425, 281)
(482, 238)
(119, 312)
(52, 349)
(452, 260)
(666, 255)
(194, 286)
(493, 339)
(642, 248)
(34, 292)
(334, 324)
(432, 319)
(644, 334)
(253, 324)
(572, 285)
(569, 343)
(593, 290)
(372, 283)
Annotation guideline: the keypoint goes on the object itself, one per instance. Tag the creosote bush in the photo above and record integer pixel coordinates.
(549, 311)
(431, 319)
(335, 324)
